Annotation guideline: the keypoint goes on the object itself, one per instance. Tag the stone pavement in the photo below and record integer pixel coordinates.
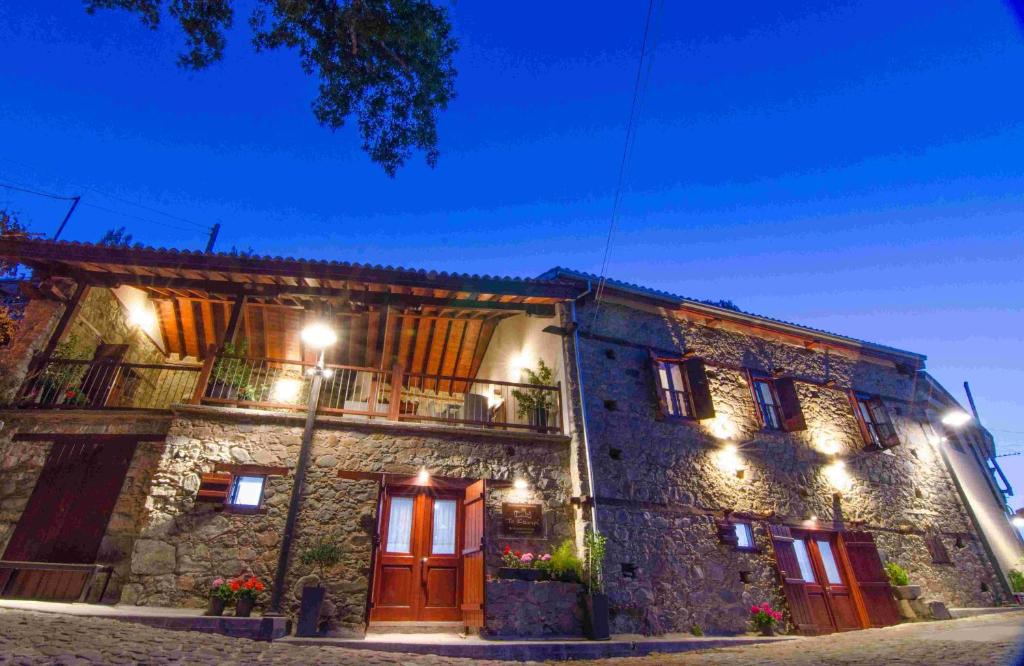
(46, 638)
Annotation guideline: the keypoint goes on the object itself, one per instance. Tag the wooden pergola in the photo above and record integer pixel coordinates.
(429, 322)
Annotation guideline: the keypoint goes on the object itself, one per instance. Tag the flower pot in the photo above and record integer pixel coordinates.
(1019, 597)
(908, 592)
(216, 606)
(309, 611)
(243, 607)
(597, 616)
(514, 573)
(538, 418)
(767, 629)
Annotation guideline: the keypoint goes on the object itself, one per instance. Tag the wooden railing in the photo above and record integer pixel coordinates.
(73, 383)
(279, 384)
(264, 383)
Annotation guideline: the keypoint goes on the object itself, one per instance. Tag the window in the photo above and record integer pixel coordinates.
(246, 491)
(803, 558)
(828, 559)
(744, 536)
(674, 393)
(400, 525)
(444, 527)
(937, 549)
(683, 390)
(875, 423)
(767, 403)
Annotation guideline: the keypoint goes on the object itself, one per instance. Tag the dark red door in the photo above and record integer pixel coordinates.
(67, 515)
(418, 575)
(830, 593)
(866, 569)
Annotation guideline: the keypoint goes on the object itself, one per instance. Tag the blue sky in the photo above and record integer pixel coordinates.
(852, 166)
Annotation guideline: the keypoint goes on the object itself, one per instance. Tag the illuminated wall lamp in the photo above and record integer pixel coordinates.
(956, 418)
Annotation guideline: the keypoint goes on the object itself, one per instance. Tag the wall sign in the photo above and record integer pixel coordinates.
(522, 520)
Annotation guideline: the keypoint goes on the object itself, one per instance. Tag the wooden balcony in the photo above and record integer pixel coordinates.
(283, 385)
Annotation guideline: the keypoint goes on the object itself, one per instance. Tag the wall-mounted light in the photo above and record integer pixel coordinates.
(1018, 519)
(140, 316)
(956, 418)
(319, 335)
(826, 444)
(423, 478)
(838, 476)
(729, 460)
(722, 427)
(520, 484)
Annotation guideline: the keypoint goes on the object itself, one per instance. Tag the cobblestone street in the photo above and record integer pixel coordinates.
(43, 638)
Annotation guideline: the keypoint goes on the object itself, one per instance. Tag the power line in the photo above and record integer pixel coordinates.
(136, 217)
(36, 192)
(627, 150)
(152, 210)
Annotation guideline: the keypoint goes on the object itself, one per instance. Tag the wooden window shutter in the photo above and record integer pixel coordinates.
(864, 432)
(700, 392)
(883, 424)
(789, 404)
(792, 583)
(865, 564)
(937, 549)
(663, 409)
(214, 487)
(753, 396)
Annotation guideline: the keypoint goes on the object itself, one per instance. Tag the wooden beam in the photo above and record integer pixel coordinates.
(96, 437)
(71, 308)
(236, 314)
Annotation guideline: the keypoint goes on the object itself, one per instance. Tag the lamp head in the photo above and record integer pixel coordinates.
(319, 335)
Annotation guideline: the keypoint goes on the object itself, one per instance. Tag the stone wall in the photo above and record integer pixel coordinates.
(661, 483)
(185, 544)
(30, 336)
(522, 609)
(21, 463)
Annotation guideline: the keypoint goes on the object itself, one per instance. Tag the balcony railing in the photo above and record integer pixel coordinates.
(372, 393)
(277, 384)
(72, 383)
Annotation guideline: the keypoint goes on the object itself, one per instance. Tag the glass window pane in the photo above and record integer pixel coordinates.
(400, 525)
(804, 559)
(744, 536)
(248, 491)
(663, 376)
(829, 560)
(444, 528)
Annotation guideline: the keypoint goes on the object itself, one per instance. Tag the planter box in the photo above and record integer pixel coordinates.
(907, 592)
(309, 611)
(511, 573)
(521, 609)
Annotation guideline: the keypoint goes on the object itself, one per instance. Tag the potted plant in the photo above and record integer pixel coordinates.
(534, 404)
(246, 589)
(900, 582)
(231, 373)
(322, 554)
(520, 566)
(1016, 584)
(596, 598)
(764, 618)
(562, 564)
(221, 595)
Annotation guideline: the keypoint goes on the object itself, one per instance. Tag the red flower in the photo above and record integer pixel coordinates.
(259, 586)
(517, 554)
(508, 549)
(70, 393)
(235, 585)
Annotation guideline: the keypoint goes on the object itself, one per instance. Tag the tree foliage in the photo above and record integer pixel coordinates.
(388, 62)
(10, 225)
(116, 237)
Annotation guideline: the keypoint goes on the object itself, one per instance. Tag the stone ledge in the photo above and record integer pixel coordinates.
(342, 423)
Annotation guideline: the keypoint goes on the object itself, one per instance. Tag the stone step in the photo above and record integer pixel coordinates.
(958, 613)
(376, 628)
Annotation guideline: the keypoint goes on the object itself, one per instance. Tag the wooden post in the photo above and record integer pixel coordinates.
(397, 373)
(204, 374)
(70, 310)
(234, 319)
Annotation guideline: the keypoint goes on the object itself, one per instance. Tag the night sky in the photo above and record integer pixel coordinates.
(854, 166)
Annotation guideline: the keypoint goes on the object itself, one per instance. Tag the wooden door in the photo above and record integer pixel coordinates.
(832, 583)
(474, 508)
(102, 375)
(67, 515)
(418, 575)
(865, 566)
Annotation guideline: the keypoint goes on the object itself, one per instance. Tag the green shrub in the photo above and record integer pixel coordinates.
(696, 630)
(1016, 580)
(897, 574)
(564, 564)
(323, 553)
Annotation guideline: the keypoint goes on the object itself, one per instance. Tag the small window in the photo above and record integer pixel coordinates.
(828, 559)
(744, 536)
(878, 428)
(675, 393)
(400, 525)
(767, 403)
(444, 527)
(247, 491)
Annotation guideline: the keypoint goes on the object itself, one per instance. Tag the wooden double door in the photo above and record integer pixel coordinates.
(419, 562)
(834, 581)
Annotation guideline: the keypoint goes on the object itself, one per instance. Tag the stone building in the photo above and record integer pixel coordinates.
(162, 405)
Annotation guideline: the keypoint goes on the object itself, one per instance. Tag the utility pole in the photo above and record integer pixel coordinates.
(74, 205)
(214, 230)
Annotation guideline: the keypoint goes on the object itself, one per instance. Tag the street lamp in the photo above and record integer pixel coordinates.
(1018, 518)
(318, 336)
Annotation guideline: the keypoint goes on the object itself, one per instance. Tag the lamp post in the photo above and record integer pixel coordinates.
(317, 336)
